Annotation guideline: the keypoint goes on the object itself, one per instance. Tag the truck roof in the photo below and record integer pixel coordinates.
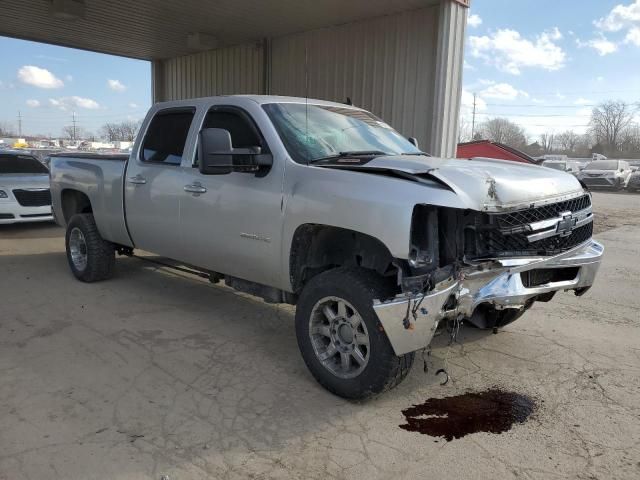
(260, 99)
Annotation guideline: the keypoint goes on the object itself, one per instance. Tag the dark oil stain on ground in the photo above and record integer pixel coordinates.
(492, 411)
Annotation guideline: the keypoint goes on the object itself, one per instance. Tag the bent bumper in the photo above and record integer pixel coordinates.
(410, 322)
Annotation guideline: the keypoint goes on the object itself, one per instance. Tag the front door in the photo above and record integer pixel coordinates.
(154, 184)
(232, 223)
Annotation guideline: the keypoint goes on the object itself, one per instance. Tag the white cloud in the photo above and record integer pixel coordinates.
(467, 104)
(68, 78)
(39, 77)
(508, 51)
(583, 101)
(633, 36)
(600, 79)
(620, 17)
(116, 85)
(133, 105)
(600, 44)
(70, 103)
(474, 21)
(33, 103)
(503, 91)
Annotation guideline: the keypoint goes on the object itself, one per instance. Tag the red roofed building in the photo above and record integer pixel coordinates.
(489, 149)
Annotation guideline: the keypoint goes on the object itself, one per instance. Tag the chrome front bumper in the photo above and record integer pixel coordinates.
(410, 322)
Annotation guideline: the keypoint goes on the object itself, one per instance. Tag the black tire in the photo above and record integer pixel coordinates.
(384, 370)
(100, 254)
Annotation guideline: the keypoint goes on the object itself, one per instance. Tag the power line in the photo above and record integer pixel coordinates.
(550, 115)
(519, 105)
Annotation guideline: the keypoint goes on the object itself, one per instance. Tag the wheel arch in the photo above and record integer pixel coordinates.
(74, 202)
(316, 248)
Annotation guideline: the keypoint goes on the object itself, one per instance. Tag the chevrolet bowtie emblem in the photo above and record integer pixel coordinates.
(566, 225)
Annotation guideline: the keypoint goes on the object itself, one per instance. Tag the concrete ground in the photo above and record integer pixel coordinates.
(155, 373)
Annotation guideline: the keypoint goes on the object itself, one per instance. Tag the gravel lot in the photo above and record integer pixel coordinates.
(156, 373)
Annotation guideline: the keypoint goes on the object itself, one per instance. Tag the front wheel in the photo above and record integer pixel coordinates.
(90, 257)
(340, 337)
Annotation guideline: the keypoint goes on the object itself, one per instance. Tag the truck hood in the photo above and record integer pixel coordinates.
(484, 183)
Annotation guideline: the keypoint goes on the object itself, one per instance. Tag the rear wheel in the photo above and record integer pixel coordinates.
(90, 257)
(340, 337)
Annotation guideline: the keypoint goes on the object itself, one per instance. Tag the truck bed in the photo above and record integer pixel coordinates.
(100, 178)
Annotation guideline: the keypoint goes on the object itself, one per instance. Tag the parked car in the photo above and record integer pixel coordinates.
(606, 174)
(325, 206)
(24, 189)
(633, 185)
(568, 166)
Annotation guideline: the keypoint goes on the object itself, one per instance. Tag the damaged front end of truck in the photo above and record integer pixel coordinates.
(487, 267)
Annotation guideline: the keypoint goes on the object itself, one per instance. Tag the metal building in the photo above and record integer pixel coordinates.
(401, 59)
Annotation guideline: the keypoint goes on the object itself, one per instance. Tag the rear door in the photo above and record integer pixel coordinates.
(154, 183)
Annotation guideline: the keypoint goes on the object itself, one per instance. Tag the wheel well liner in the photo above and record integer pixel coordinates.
(73, 202)
(317, 248)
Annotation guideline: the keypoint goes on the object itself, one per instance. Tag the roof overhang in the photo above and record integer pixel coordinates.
(157, 29)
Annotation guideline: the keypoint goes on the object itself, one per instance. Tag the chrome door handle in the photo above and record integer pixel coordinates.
(137, 180)
(195, 188)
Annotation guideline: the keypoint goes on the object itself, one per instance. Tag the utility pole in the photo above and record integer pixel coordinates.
(19, 124)
(473, 121)
(74, 126)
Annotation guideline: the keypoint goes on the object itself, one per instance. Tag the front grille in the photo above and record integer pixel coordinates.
(517, 244)
(499, 235)
(33, 198)
(597, 182)
(545, 212)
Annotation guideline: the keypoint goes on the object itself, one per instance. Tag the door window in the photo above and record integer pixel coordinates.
(244, 134)
(166, 137)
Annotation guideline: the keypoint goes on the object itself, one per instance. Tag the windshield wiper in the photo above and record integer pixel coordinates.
(351, 154)
(417, 154)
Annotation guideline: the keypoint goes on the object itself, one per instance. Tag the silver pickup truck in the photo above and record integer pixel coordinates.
(324, 206)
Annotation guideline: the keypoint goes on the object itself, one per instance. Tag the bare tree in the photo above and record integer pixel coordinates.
(630, 141)
(6, 130)
(608, 122)
(568, 141)
(464, 131)
(547, 142)
(73, 133)
(502, 130)
(123, 131)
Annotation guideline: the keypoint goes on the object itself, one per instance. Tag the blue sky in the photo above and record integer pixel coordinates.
(46, 84)
(545, 63)
(541, 63)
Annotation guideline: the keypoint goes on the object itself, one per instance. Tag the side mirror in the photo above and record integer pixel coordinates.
(413, 141)
(622, 170)
(216, 155)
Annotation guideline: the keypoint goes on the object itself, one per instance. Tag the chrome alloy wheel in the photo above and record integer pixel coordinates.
(339, 337)
(78, 249)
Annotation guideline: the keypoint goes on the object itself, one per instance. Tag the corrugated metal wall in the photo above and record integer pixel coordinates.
(216, 72)
(385, 65)
(448, 85)
(406, 68)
